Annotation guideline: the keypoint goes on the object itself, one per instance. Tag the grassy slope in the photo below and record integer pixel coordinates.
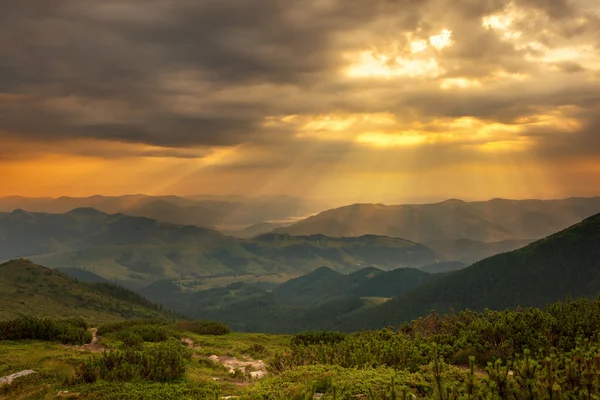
(30, 289)
(564, 264)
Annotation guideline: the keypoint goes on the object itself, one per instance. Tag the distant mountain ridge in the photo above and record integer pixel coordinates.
(461, 231)
(139, 250)
(226, 212)
(488, 221)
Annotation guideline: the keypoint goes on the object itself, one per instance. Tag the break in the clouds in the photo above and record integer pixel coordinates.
(231, 94)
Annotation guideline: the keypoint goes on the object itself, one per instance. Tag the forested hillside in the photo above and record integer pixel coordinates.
(561, 265)
(317, 300)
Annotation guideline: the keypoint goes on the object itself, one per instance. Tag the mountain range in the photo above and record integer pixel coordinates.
(227, 213)
(349, 294)
(461, 231)
(565, 264)
(137, 250)
(457, 230)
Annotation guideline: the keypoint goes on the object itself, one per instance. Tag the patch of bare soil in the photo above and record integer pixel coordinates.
(94, 346)
(255, 368)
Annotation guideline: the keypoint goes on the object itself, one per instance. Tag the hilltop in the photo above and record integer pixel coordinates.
(565, 264)
(31, 289)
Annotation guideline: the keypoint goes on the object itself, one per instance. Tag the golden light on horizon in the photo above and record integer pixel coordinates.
(315, 97)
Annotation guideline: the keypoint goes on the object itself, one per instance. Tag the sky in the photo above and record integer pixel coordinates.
(347, 100)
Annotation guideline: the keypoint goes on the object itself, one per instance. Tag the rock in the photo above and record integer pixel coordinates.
(258, 374)
(7, 380)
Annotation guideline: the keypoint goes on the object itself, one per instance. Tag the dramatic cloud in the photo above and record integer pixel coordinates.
(307, 97)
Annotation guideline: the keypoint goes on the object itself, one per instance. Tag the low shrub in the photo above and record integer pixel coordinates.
(66, 331)
(256, 350)
(160, 363)
(114, 327)
(203, 327)
(147, 333)
(309, 338)
(131, 339)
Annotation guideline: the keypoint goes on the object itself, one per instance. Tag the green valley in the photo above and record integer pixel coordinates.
(136, 251)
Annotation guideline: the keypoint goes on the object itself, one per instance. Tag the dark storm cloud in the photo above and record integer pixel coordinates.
(207, 73)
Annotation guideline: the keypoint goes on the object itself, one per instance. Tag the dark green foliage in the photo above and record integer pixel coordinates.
(315, 301)
(310, 338)
(147, 333)
(131, 339)
(161, 363)
(203, 327)
(114, 327)
(66, 331)
(487, 336)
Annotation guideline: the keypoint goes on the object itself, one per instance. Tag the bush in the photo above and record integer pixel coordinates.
(203, 327)
(161, 363)
(130, 339)
(66, 331)
(114, 327)
(147, 333)
(256, 350)
(308, 338)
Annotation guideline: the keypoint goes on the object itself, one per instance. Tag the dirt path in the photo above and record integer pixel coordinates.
(94, 346)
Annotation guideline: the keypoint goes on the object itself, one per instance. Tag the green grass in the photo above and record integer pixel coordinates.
(56, 364)
(30, 289)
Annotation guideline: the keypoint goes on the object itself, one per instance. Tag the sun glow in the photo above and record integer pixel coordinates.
(385, 130)
(444, 39)
(459, 83)
(378, 139)
(415, 61)
(382, 66)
